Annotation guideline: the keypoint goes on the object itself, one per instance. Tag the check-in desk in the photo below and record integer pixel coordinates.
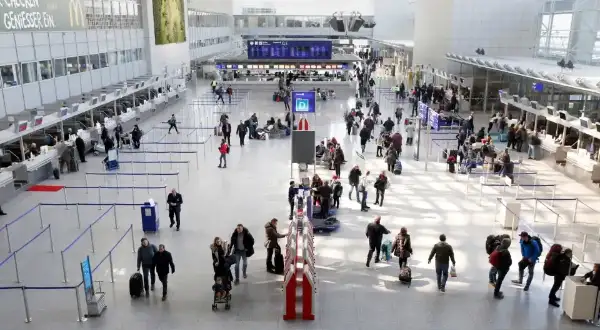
(579, 299)
(7, 186)
(40, 167)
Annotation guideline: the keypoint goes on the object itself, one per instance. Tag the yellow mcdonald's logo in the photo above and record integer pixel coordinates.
(76, 17)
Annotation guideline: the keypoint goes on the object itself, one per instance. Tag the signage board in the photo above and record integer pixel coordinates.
(42, 15)
(303, 102)
(88, 283)
(290, 49)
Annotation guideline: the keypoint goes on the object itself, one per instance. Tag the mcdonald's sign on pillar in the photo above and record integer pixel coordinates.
(303, 124)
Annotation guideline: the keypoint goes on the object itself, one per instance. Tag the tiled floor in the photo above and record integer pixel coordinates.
(251, 191)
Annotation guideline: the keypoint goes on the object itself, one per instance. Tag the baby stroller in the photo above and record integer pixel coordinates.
(222, 291)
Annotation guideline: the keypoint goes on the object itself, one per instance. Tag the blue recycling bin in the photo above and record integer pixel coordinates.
(150, 220)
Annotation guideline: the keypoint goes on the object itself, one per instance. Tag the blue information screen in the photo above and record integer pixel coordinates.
(88, 284)
(303, 102)
(291, 50)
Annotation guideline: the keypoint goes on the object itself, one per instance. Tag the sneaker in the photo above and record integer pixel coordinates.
(553, 303)
(492, 284)
(152, 287)
(517, 282)
(236, 282)
(171, 225)
(526, 289)
(500, 295)
(443, 289)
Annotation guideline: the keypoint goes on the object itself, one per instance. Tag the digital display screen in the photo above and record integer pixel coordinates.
(88, 283)
(23, 127)
(538, 87)
(38, 121)
(292, 50)
(303, 102)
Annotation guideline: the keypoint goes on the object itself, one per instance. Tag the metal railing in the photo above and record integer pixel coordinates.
(100, 188)
(131, 174)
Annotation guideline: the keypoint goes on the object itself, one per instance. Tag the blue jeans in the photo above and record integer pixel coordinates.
(240, 255)
(493, 274)
(352, 188)
(531, 152)
(223, 159)
(530, 268)
(441, 271)
(363, 203)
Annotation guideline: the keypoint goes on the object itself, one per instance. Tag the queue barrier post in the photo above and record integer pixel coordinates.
(99, 197)
(112, 270)
(556, 226)
(41, 217)
(585, 238)
(65, 196)
(64, 267)
(80, 317)
(26, 305)
(8, 239)
(78, 216)
(178, 181)
(51, 239)
(115, 215)
(575, 212)
(518, 186)
(92, 239)
(553, 196)
(86, 184)
(132, 240)
(148, 181)
(16, 267)
(480, 193)
(132, 197)
(535, 205)
(117, 180)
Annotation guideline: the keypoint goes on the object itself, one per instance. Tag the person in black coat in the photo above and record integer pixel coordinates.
(80, 145)
(136, 136)
(365, 134)
(562, 267)
(174, 200)
(292, 190)
(226, 130)
(505, 261)
(241, 132)
(242, 247)
(217, 249)
(375, 231)
(161, 262)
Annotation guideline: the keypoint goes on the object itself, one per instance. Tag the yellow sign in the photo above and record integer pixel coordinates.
(76, 16)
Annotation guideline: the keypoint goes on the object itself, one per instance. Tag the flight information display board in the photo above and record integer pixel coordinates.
(289, 49)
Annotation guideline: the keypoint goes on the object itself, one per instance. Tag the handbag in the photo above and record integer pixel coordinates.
(452, 272)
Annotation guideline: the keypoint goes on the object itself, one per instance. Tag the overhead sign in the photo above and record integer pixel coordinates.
(42, 15)
(303, 102)
(88, 283)
(289, 49)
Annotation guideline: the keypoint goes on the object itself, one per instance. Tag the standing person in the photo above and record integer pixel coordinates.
(410, 133)
(558, 264)
(369, 124)
(402, 247)
(174, 200)
(511, 136)
(172, 124)
(492, 243)
(161, 262)
(338, 159)
(365, 134)
(402, 90)
(391, 158)
(242, 246)
(443, 253)
(375, 231)
(229, 93)
(398, 114)
(223, 151)
(241, 132)
(213, 85)
(118, 134)
(145, 255)
(362, 187)
(354, 180)
(501, 261)
(291, 196)
(136, 136)
(530, 251)
(325, 193)
(80, 145)
(286, 100)
(271, 243)
(226, 129)
(338, 190)
(381, 184)
(389, 125)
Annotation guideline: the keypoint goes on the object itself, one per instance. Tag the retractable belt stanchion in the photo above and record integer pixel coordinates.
(26, 305)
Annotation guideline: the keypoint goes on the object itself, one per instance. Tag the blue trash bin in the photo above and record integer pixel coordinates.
(150, 220)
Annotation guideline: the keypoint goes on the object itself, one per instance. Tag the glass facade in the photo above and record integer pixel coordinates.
(205, 19)
(113, 14)
(275, 21)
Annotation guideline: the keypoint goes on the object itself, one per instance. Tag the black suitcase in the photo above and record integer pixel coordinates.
(136, 285)
(278, 262)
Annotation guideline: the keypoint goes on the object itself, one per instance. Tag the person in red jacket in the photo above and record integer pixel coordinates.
(223, 150)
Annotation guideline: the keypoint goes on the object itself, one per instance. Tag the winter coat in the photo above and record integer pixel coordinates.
(375, 232)
(505, 259)
(248, 242)
(272, 235)
(530, 250)
(443, 253)
(162, 261)
(218, 258)
(401, 247)
(354, 176)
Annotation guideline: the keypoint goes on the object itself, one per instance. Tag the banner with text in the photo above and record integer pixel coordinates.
(42, 15)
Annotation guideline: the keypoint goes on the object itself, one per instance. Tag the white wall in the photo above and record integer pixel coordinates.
(395, 19)
(306, 7)
(172, 55)
(433, 32)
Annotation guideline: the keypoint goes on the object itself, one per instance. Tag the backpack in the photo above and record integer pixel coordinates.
(490, 244)
(550, 263)
(539, 243)
(495, 258)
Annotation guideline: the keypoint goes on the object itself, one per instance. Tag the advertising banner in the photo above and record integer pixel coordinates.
(42, 15)
(88, 283)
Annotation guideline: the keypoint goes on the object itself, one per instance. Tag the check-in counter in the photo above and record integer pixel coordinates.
(581, 158)
(40, 167)
(7, 186)
(579, 299)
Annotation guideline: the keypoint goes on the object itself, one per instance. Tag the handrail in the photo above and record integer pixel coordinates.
(21, 216)
(155, 162)
(87, 229)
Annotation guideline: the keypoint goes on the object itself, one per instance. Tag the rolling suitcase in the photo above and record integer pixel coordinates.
(398, 167)
(279, 264)
(136, 285)
(405, 275)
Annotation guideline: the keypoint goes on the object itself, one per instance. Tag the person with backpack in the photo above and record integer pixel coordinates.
(501, 260)
(391, 158)
(491, 244)
(558, 265)
(223, 151)
(531, 249)
(338, 190)
(354, 179)
(402, 247)
(381, 184)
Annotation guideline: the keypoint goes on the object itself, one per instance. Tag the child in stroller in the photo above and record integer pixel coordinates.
(221, 289)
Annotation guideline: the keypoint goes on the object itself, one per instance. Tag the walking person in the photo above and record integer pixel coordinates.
(242, 247)
(364, 134)
(381, 184)
(175, 200)
(402, 248)
(530, 251)
(223, 151)
(80, 146)
(145, 255)
(226, 130)
(391, 158)
(219, 93)
(399, 111)
(241, 132)
(292, 191)
(492, 243)
(558, 265)
(172, 124)
(286, 100)
(443, 254)
(501, 260)
(162, 262)
(375, 231)
(338, 159)
(272, 236)
(354, 180)
(118, 134)
(229, 93)
(136, 136)
(362, 187)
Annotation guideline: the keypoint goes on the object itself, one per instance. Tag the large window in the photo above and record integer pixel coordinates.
(112, 58)
(60, 67)
(29, 72)
(95, 61)
(103, 60)
(72, 65)
(8, 76)
(83, 64)
(46, 69)
(555, 33)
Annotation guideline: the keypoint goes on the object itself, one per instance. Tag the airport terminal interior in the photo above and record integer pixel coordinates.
(116, 117)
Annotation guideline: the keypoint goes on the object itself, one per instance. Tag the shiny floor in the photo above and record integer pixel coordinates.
(251, 191)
